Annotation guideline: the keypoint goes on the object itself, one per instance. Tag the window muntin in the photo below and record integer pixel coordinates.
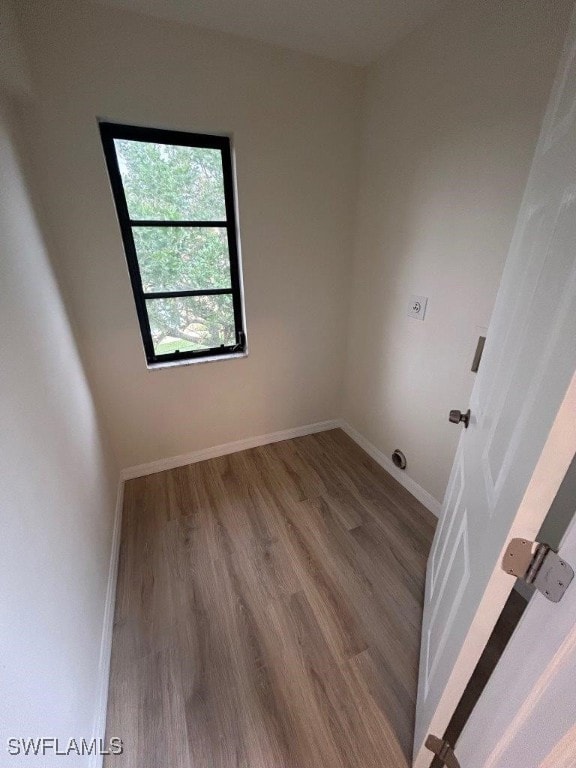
(174, 197)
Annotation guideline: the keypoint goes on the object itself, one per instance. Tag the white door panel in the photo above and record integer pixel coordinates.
(526, 716)
(512, 458)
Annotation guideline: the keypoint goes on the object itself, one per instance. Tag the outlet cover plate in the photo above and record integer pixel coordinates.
(417, 307)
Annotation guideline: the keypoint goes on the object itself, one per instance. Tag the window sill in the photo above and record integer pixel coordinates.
(195, 361)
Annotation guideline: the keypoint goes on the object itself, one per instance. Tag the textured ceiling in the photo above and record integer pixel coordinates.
(353, 31)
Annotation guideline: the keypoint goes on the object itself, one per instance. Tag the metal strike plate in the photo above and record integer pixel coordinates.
(478, 354)
(538, 565)
(442, 750)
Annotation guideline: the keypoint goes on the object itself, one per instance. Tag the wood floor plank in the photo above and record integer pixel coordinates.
(268, 612)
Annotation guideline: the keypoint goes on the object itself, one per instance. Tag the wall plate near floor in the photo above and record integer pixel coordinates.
(417, 307)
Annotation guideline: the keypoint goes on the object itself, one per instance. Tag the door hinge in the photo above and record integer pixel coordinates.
(539, 565)
(442, 750)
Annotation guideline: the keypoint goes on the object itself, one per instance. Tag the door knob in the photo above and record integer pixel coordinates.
(457, 416)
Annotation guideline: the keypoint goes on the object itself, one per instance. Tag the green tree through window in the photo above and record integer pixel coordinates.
(174, 199)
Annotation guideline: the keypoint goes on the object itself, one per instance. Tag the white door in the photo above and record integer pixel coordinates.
(526, 716)
(522, 433)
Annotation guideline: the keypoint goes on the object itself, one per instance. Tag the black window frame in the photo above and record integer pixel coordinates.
(110, 131)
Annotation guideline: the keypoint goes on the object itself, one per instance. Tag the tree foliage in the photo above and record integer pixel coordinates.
(167, 182)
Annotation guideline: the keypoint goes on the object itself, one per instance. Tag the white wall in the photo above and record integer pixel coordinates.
(452, 115)
(450, 120)
(58, 488)
(293, 118)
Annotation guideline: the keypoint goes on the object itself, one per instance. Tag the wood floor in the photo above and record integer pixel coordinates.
(268, 612)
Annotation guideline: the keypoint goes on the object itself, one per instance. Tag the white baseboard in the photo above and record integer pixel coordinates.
(286, 434)
(107, 627)
(416, 490)
(222, 450)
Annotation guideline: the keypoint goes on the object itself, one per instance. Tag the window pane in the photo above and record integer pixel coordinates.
(165, 181)
(182, 258)
(191, 322)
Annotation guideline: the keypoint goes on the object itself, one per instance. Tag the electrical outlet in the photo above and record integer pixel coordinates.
(417, 307)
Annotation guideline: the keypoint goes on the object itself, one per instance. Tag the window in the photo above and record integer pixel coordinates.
(174, 196)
